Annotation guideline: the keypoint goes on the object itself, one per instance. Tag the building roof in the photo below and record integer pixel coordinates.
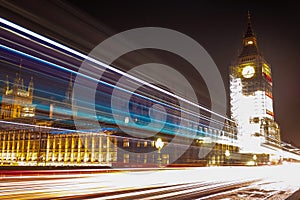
(249, 35)
(249, 31)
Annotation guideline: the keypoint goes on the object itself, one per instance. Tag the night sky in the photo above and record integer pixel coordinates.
(217, 25)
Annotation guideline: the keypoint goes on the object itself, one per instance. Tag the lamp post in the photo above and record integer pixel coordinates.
(126, 120)
(159, 145)
(38, 159)
(227, 154)
(254, 158)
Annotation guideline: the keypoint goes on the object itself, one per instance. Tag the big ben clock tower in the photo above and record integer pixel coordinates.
(251, 98)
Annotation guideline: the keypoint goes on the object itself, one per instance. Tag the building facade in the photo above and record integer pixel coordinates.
(48, 137)
(41, 140)
(37, 145)
(251, 97)
(17, 100)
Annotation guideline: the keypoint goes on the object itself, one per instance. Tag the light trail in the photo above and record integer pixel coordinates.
(63, 130)
(174, 107)
(43, 127)
(41, 53)
(102, 82)
(188, 183)
(63, 47)
(53, 43)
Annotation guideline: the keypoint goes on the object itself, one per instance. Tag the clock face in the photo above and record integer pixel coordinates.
(248, 71)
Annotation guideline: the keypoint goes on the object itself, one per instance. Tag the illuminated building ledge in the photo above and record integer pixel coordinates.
(44, 147)
(33, 147)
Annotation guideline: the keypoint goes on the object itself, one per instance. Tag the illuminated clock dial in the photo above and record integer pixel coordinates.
(248, 71)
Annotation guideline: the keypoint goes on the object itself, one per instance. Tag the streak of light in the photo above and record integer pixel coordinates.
(174, 107)
(40, 126)
(47, 40)
(152, 184)
(38, 52)
(86, 76)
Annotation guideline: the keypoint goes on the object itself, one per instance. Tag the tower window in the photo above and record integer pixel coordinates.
(250, 42)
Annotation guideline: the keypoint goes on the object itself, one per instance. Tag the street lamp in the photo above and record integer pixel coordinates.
(159, 145)
(227, 154)
(126, 120)
(254, 158)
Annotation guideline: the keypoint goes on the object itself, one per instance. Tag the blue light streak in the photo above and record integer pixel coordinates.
(60, 46)
(90, 78)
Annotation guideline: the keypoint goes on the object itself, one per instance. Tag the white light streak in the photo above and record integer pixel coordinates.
(61, 46)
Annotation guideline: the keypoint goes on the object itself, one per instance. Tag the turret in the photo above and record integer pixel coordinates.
(68, 97)
(30, 87)
(6, 86)
(16, 83)
(22, 84)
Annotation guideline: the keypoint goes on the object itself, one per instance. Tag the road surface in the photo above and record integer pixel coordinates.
(262, 182)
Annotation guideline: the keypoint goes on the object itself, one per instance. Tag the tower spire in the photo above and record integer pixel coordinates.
(249, 15)
(249, 31)
(20, 68)
(69, 90)
(30, 87)
(6, 86)
(250, 46)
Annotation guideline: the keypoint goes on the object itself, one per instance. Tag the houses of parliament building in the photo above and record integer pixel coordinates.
(48, 137)
(27, 137)
(33, 137)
